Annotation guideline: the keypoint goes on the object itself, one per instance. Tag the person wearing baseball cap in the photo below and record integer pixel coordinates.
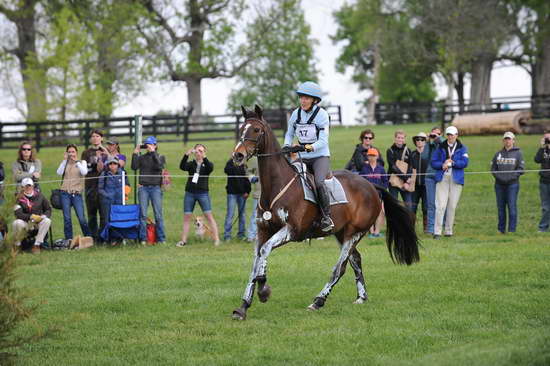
(114, 152)
(374, 172)
(150, 166)
(507, 166)
(110, 187)
(32, 211)
(448, 161)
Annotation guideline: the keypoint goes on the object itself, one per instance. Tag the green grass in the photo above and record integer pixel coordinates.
(477, 299)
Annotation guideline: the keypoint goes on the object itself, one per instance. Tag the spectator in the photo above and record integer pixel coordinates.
(359, 157)
(110, 187)
(429, 181)
(253, 176)
(2, 176)
(150, 166)
(507, 166)
(449, 161)
(196, 190)
(26, 166)
(400, 151)
(32, 211)
(420, 159)
(375, 173)
(95, 158)
(73, 172)
(113, 150)
(543, 158)
(237, 188)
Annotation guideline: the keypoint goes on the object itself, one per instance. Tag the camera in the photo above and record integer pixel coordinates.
(143, 146)
(547, 141)
(433, 135)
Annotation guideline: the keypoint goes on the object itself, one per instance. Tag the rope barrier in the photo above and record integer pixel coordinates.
(185, 176)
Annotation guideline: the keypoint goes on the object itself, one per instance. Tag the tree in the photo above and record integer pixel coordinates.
(283, 59)
(378, 40)
(23, 15)
(468, 35)
(196, 41)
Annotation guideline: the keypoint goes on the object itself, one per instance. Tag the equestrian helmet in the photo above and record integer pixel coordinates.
(311, 89)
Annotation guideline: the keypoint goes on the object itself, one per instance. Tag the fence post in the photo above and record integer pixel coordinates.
(154, 120)
(340, 115)
(178, 122)
(186, 130)
(86, 136)
(237, 120)
(443, 113)
(1, 134)
(37, 137)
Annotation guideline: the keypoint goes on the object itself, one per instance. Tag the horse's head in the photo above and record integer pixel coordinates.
(252, 136)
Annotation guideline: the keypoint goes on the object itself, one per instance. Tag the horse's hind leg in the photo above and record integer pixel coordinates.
(337, 272)
(355, 263)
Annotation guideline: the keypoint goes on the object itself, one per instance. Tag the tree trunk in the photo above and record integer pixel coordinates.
(542, 69)
(32, 72)
(480, 92)
(459, 87)
(194, 95)
(371, 103)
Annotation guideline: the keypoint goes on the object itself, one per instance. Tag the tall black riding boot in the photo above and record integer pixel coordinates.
(324, 204)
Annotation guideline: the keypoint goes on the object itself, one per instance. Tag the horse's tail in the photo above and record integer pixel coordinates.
(401, 237)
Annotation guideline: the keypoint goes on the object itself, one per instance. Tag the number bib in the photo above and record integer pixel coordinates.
(306, 133)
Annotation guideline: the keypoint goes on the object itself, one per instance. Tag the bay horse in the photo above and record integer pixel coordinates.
(284, 215)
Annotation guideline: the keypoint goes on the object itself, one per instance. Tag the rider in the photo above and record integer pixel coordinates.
(310, 124)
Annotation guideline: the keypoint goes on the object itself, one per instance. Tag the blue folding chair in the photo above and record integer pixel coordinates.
(124, 222)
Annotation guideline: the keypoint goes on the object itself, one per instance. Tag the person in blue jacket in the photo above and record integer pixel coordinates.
(310, 124)
(110, 187)
(448, 161)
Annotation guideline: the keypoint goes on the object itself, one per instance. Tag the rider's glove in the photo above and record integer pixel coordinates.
(309, 148)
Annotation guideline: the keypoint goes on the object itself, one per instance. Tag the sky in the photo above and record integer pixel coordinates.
(505, 81)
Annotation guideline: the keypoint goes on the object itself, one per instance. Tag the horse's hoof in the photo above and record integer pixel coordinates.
(238, 314)
(313, 307)
(265, 293)
(360, 300)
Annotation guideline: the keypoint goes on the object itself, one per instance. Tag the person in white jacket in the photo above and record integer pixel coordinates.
(73, 173)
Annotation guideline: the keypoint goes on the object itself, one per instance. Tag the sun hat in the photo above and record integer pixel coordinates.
(420, 134)
(509, 135)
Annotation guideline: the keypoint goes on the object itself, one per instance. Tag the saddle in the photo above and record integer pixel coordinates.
(335, 190)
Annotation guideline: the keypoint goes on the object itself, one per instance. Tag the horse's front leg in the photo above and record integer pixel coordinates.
(259, 269)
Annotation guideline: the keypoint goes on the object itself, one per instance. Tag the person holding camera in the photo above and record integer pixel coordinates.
(73, 172)
(150, 166)
(400, 151)
(507, 166)
(196, 190)
(543, 158)
(26, 166)
(95, 157)
(32, 212)
(449, 161)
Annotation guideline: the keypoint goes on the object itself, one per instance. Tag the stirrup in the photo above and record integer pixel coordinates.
(327, 224)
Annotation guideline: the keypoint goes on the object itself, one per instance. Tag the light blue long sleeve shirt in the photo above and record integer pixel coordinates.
(320, 147)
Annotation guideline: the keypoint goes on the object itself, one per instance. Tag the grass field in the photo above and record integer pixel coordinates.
(477, 299)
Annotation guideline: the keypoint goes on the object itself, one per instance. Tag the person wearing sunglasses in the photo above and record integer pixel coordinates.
(420, 159)
(26, 166)
(359, 157)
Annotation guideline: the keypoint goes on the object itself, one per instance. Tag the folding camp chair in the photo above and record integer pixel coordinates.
(124, 222)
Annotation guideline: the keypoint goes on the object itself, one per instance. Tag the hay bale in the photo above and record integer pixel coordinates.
(491, 123)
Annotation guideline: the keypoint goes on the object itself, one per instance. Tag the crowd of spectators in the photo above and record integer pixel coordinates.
(431, 174)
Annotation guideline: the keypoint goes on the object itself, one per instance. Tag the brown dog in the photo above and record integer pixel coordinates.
(202, 229)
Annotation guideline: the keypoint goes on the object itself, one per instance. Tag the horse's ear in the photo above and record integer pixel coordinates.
(245, 112)
(259, 111)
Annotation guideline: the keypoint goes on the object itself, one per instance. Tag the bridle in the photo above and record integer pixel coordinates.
(260, 138)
